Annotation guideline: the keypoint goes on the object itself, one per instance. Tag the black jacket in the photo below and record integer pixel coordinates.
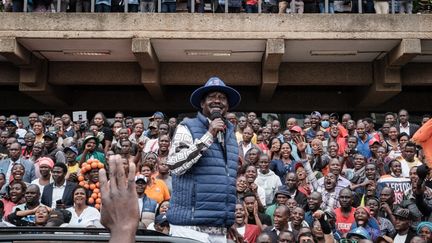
(67, 197)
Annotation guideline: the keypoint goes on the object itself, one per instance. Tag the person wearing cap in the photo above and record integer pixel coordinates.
(203, 158)
(44, 166)
(404, 232)
(281, 198)
(358, 233)
(89, 145)
(73, 167)
(52, 151)
(152, 144)
(147, 206)
(16, 158)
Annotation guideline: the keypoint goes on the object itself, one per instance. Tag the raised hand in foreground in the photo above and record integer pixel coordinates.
(119, 201)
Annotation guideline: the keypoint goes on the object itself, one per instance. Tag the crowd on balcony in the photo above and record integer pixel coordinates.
(325, 178)
(218, 6)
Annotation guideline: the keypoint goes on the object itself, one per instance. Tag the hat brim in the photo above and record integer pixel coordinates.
(233, 95)
(10, 122)
(87, 139)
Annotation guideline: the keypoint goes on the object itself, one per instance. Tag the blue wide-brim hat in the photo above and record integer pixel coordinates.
(215, 84)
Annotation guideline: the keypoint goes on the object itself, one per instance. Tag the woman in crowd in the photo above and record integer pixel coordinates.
(42, 215)
(37, 152)
(45, 166)
(156, 189)
(241, 186)
(275, 148)
(424, 229)
(286, 162)
(392, 142)
(385, 226)
(105, 134)
(364, 219)
(15, 196)
(82, 214)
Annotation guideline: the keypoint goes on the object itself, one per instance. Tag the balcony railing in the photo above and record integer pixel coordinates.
(328, 5)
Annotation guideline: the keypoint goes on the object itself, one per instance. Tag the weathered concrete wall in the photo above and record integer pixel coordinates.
(208, 26)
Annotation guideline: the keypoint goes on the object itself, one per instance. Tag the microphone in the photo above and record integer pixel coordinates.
(220, 134)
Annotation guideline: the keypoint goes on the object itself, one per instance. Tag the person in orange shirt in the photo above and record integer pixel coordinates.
(423, 137)
(156, 189)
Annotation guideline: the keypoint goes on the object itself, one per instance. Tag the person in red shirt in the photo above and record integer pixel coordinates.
(345, 214)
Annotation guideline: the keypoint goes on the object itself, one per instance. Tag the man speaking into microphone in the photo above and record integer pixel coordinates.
(203, 161)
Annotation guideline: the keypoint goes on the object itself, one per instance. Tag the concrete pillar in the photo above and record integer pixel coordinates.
(34, 83)
(149, 63)
(387, 73)
(275, 49)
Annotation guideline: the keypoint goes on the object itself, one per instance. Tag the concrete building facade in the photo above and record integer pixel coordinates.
(279, 63)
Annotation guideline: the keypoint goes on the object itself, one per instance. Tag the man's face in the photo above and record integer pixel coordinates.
(345, 198)
(329, 182)
(385, 128)
(164, 143)
(291, 122)
(352, 142)
(351, 125)
(314, 119)
(401, 224)
(297, 216)
(266, 133)
(370, 171)
(48, 143)
(275, 127)
(140, 187)
(359, 161)
(2, 121)
(251, 116)
(256, 125)
(119, 117)
(138, 130)
(250, 202)
(66, 120)
(214, 102)
(163, 129)
(32, 194)
(247, 135)
(3, 138)
(125, 147)
(386, 195)
(413, 175)
(242, 122)
(264, 164)
(232, 118)
(281, 199)
(280, 217)
(253, 154)
(11, 128)
(335, 167)
(291, 181)
(390, 119)
(403, 116)
(314, 201)
(409, 153)
(307, 123)
(334, 131)
(29, 139)
(129, 123)
(361, 129)
(32, 118)
(14, 151)
(58, 174)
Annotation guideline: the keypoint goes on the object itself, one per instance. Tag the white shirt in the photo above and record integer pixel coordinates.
(57, 193)
(90, 216)
(41, 187)
(404, 129)
(246, 148)
(400, 238)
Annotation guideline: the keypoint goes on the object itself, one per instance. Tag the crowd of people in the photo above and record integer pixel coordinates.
(326, 178)
(218, 6)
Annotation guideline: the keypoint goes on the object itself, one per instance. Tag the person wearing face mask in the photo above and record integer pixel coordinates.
(316, 126)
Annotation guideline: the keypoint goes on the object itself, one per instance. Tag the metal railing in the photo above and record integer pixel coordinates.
(214, 5)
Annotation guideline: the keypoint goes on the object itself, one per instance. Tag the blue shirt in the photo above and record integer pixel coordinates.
(363, 147)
